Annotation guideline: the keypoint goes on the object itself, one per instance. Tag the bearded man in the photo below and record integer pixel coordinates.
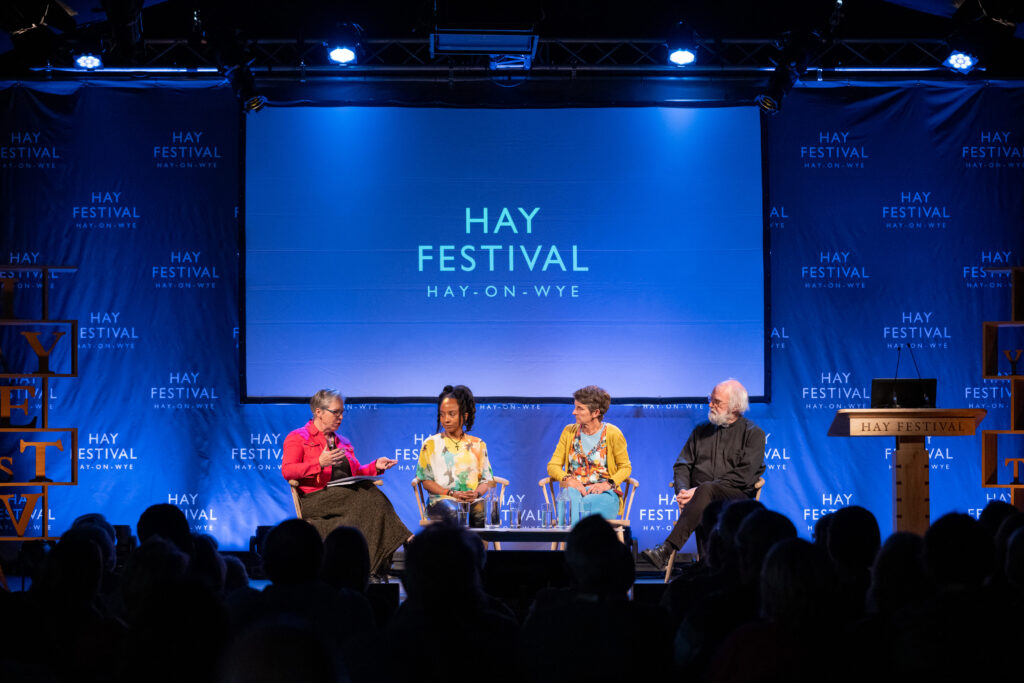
(722, 459)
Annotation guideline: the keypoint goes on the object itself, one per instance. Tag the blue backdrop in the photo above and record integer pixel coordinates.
(886, 204)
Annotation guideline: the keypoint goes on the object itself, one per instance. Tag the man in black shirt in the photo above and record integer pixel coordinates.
(722, 459)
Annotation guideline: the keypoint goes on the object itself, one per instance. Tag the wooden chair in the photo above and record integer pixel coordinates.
(422, 496)
(548, 485)
(297, 494)
(758, 487)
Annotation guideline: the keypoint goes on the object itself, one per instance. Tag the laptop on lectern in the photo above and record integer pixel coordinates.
(903, 393)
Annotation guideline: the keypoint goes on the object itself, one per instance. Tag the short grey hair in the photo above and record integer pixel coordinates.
(322, 398)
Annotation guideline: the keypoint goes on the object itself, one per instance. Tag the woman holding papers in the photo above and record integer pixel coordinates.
(453, 465)
(324, 464)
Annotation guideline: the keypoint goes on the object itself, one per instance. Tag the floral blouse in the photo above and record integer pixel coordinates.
(454, 465)
(590, 467)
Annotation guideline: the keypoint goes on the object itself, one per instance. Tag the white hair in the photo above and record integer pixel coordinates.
(739, 400)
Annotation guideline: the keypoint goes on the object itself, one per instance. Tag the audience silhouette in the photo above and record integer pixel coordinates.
(760, 604)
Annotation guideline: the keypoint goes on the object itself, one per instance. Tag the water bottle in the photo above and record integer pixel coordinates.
(563, 507)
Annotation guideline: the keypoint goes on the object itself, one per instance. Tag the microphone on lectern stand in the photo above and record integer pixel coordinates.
(927, 398)
(895, 376)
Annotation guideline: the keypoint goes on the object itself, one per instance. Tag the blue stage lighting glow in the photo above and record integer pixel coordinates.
(682, 57)
(960, 61)
(88, 62)
(341, 55)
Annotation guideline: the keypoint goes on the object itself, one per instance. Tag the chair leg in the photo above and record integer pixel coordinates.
(668, 567)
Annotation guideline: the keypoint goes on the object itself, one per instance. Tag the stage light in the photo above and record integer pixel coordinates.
(795, 52)
(341, 55)
(960, 61)
(682, 57)
(345, 44)
(682, 45)
(244, 86)
(88, 62)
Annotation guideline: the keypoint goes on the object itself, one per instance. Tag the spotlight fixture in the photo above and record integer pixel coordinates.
(682, 46)
(345, 45)
(244, 85)
(88, 62)
(795, 51)
(960, 62)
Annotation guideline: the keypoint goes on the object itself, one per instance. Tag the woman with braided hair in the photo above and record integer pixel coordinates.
(453, 465)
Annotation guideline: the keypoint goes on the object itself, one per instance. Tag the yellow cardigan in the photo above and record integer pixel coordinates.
(618, 465)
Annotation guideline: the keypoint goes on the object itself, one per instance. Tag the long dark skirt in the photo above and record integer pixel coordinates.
(363, 506)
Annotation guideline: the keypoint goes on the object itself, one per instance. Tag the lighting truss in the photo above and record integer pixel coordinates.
(393, 58)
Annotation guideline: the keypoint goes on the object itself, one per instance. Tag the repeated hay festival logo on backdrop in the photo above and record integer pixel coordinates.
(780, 338)
(835, 149)
(939, 457)
(185, 270)
(512, 263)
(918, 330)
(408, 457)
(32, 279)
(188, 149)
(990, 394)
(106, 451)
(201, 518)
(777, 217)
(978, 274)
(29, 393)
(27, 149)
(184, 391)
(835, 270)
(105, 210)
(775, 455)
(263, 452)
(17, 503)
(830, 502)
(835, 390)
(662, 517)
(993, 149)
(107, 331)
(916, 210)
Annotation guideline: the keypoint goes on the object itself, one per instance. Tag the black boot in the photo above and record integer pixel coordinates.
(659, 555)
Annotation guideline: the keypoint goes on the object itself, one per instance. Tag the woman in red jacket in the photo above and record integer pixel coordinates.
(315, 455)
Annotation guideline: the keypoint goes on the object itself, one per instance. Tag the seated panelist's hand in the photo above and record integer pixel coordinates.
(599, 487)
(684, 496)
(331, 456)
(464, 496)
(574, 483)
(385, 463)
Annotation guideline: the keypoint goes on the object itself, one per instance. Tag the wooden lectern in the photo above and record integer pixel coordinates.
(910, 469)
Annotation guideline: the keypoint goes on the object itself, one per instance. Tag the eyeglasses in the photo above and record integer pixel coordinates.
(336, 413)
(716, 403)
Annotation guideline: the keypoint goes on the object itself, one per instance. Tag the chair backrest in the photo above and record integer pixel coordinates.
(548, 486)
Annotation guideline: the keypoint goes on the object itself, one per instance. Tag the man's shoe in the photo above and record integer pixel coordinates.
(659, 555)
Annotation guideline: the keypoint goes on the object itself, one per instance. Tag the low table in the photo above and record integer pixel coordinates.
(524, 534)
(534, 534)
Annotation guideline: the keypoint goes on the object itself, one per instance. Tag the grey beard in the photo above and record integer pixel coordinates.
(718, 419)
